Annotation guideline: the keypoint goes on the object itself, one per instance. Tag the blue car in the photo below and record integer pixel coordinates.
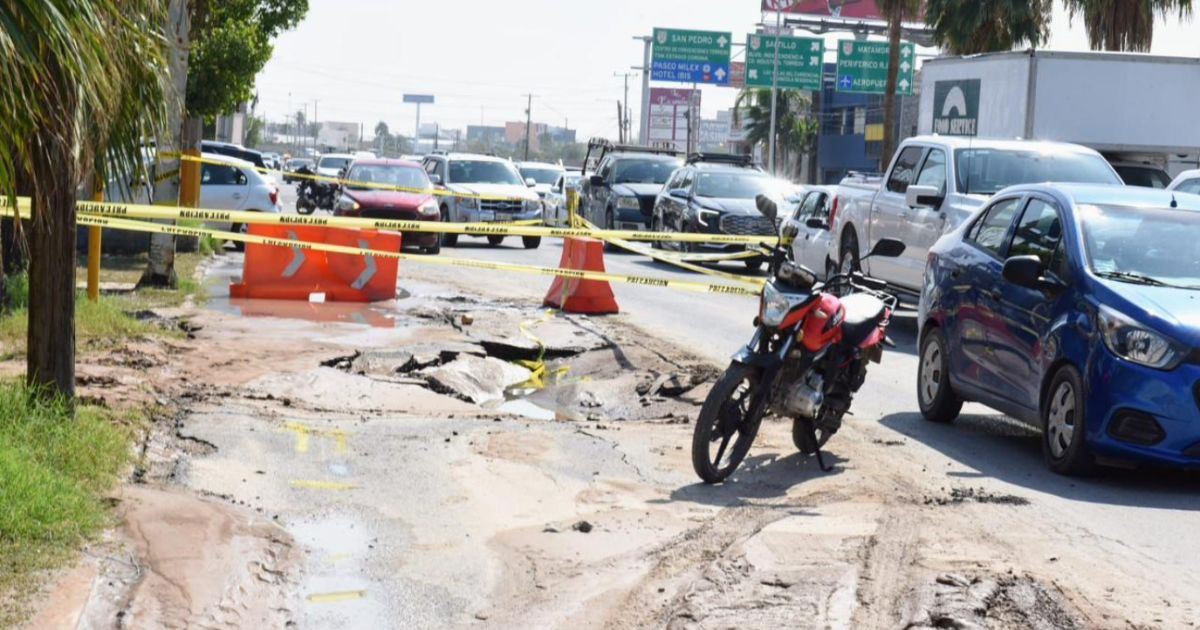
(1075, 308)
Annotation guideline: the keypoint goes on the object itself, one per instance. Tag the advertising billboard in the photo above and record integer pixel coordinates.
(858, 9)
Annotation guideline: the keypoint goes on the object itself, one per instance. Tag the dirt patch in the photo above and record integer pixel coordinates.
(1016, 602)
(975, 495)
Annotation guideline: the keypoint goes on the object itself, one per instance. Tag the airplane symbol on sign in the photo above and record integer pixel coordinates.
(846, 82)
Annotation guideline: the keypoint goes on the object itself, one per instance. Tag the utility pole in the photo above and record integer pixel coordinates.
(774, 98)
(627, 132)
(528, 123)
(287, 123)
(316, 125)
(620, 125)
(644, 127)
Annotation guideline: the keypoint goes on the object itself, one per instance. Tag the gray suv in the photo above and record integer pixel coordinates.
(506, 197)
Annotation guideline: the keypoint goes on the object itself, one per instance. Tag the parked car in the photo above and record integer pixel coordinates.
(233, 150)
(359, 200)
(1187, 181)
(491, 188)
(933, 185)
(1072, 308)
(554, 204)
(293, 165)
(235, 185)
(621, 192)
(541, 174)
(715, 197)
(813, 246)
(332, 164)
(1141, 174)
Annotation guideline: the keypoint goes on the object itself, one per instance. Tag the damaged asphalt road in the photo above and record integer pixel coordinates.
(412, 464)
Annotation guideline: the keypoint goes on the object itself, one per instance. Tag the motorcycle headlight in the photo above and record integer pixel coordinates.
(346, 204)
(775, 305)
(628, 203)
(704, 216)
(1135, 343)
(429, 208)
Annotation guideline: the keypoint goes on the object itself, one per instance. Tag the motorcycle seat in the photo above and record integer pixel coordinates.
(863, 315)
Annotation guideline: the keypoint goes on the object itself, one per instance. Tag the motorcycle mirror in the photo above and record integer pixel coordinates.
(887, 248)
(766, 206)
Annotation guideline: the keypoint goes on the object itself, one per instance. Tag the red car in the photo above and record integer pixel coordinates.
(365, 194)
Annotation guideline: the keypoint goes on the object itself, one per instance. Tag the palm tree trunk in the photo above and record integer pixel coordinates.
(889, 96)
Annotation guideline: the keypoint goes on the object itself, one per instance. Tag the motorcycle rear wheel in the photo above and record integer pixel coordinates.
(724, 417)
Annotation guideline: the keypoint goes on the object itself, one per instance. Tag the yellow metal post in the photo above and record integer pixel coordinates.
(94, 235)
(572, 206)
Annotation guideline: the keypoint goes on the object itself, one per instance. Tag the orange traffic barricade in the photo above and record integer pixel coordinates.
(575, 295)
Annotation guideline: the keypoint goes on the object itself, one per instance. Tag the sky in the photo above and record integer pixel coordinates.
(353, 60)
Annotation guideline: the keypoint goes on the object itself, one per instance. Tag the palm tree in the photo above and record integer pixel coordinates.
(754, 106)
(969, 27)
(895, 11)
(83, 89)
(1124, 25)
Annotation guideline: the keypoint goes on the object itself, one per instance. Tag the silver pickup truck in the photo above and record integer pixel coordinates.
(933, 185)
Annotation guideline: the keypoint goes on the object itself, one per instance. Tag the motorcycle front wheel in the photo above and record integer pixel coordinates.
(725, 429)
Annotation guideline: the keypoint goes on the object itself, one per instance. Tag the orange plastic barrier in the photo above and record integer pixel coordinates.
(574, 295)
(278, 273)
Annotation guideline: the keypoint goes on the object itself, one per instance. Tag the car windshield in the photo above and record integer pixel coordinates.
(734, 185)
(644, 171)
(541, 175)
(987, 171)
(299, 163)
(481, 172)
(1144, 176)
(365, 176)
(335, 163)
(1143, 245)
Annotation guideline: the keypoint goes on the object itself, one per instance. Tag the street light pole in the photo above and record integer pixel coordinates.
(625, 124)
(528, 123)
(644, 127)
(774, 98)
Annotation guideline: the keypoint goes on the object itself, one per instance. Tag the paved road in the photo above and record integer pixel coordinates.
(1140, 526)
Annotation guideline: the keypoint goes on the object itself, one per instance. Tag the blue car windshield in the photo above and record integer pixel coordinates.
(644, 171)
(734, 185)
(1143, 245)
(987, 171)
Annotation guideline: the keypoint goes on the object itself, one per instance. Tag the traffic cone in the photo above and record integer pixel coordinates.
(574, 295)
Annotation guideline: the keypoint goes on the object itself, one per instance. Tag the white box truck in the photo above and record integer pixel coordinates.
(1142, 112)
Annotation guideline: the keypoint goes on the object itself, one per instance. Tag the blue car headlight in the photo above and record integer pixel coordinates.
(1135, 343)
(628, 203)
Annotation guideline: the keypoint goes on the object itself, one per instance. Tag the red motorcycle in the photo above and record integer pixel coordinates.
(806, 360)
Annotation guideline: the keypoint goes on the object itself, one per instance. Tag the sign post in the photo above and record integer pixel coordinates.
(800, 61)
(691, 56)
(862, 67)
(418, 100)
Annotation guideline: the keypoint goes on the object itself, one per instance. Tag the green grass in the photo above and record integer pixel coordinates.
(98, 325)
(55, 468)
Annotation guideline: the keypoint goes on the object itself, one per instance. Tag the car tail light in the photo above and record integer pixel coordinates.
(274, 196)
(833, 212)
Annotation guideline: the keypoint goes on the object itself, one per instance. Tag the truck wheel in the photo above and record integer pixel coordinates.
(849, 258)
(448, 239)
(495, 240)
(531, 242)
(610, 223)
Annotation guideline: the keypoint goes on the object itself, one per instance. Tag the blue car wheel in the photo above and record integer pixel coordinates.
(1064, 427)
(936, 398)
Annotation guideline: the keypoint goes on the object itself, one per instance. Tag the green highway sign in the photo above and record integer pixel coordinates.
(690, 56)
(862, 67)
(800, 61)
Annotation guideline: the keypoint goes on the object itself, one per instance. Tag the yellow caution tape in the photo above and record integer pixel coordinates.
(684, 285)
(340, 596)
(651, 253)
(311, 484)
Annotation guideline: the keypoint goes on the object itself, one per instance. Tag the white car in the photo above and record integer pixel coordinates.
(1187, 181)
(813, 246)
(332, 164)
(235, 185)
(541, 174)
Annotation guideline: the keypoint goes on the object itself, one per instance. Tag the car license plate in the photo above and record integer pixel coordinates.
(487, 215)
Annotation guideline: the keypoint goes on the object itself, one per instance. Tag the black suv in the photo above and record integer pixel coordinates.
(619, 194)
(715, 194)
(233, 150)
